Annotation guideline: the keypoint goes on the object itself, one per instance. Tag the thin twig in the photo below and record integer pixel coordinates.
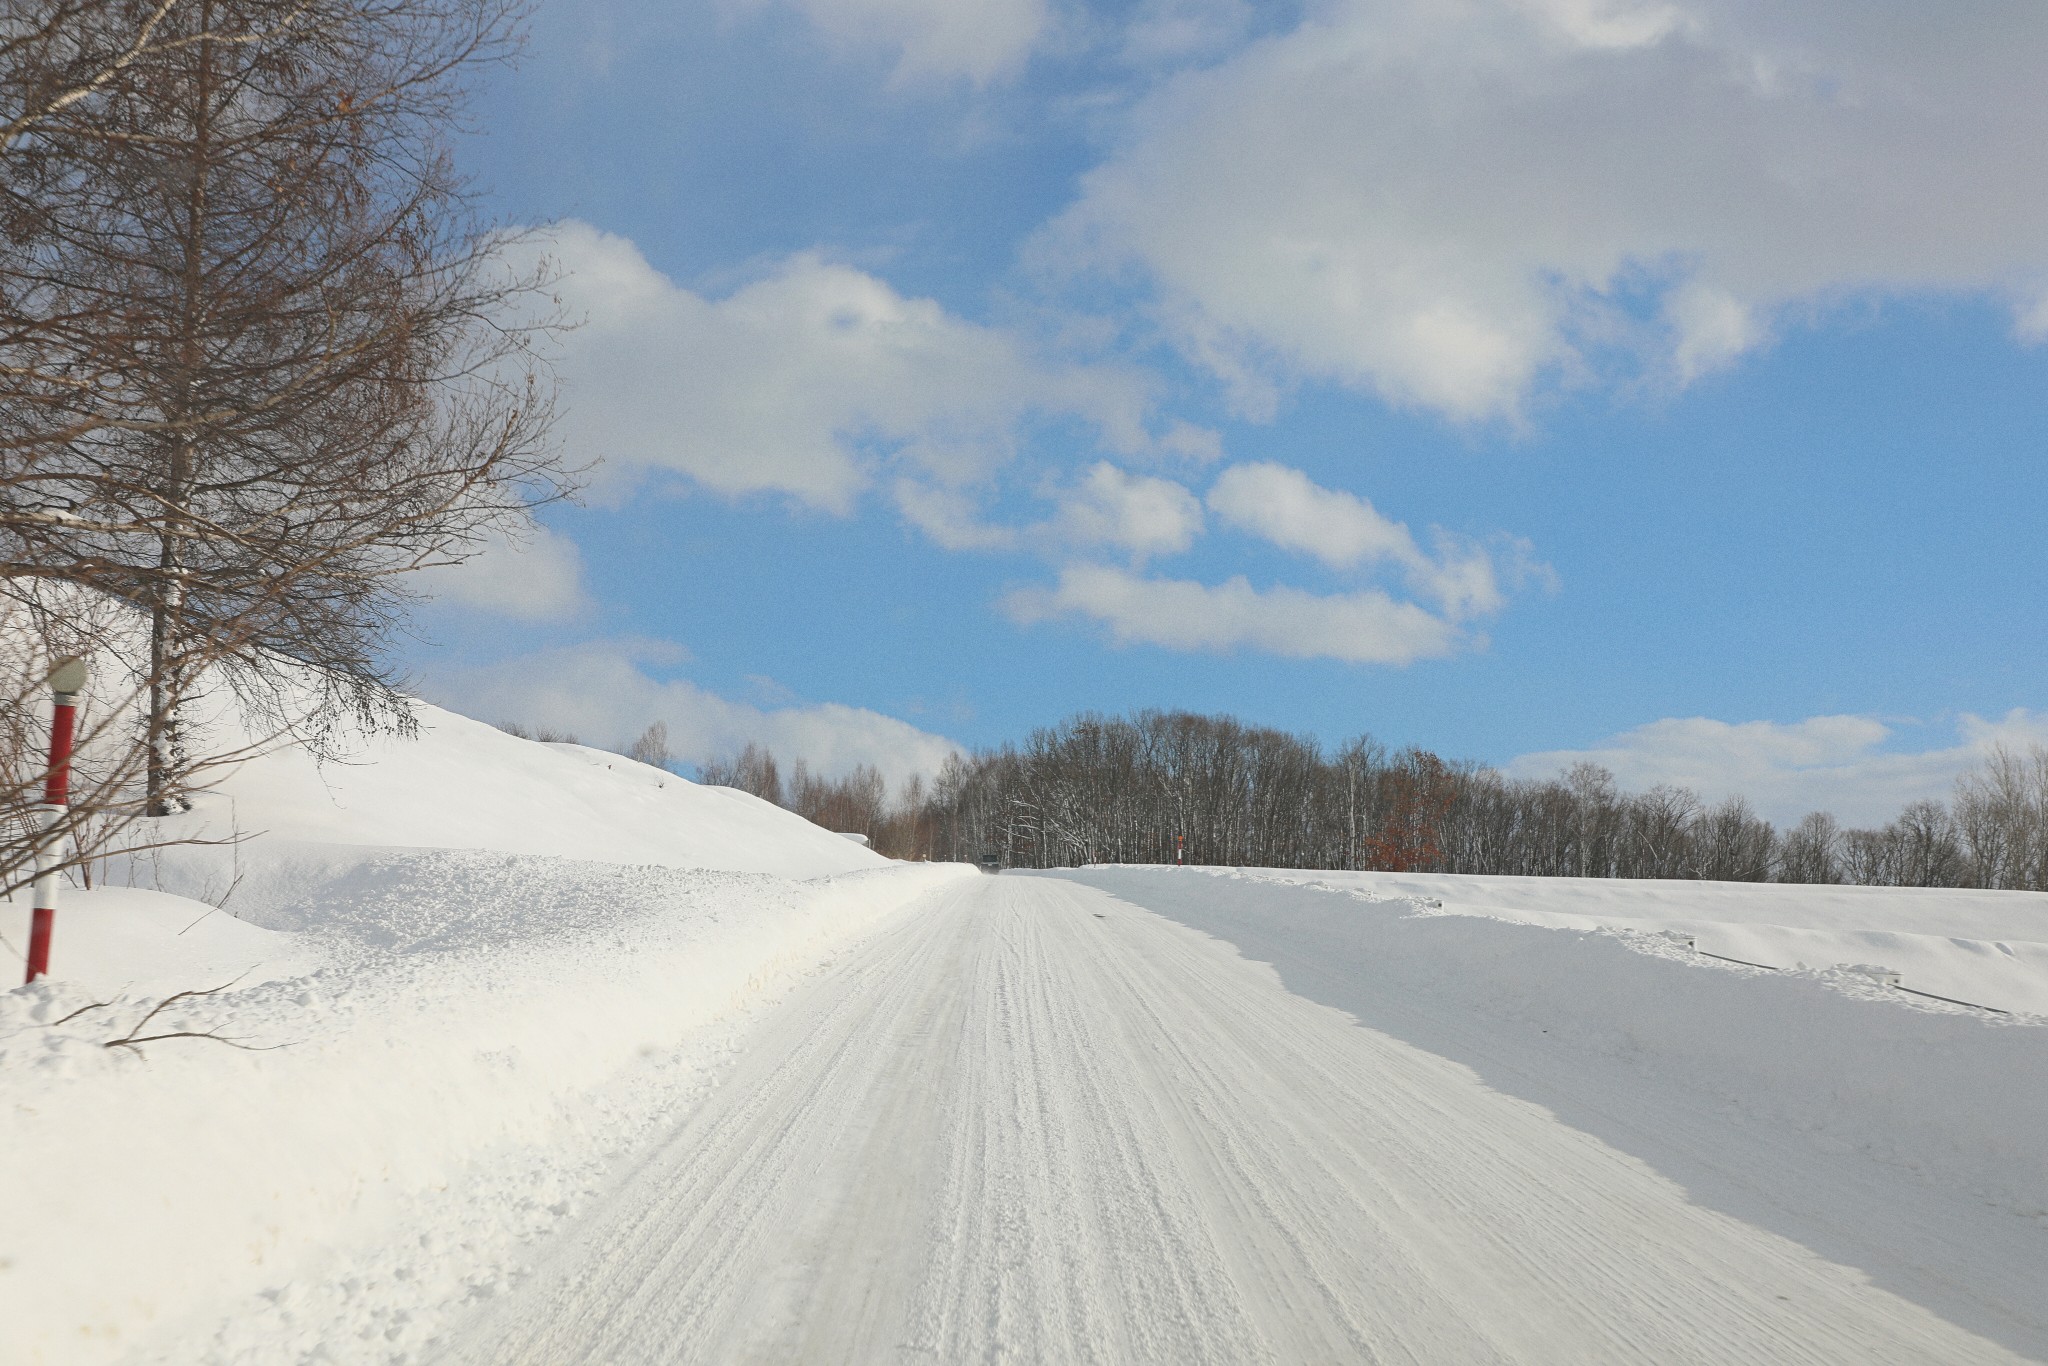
(136, 1043)
(132, 1037)
(52, 1024)
(96, 1005)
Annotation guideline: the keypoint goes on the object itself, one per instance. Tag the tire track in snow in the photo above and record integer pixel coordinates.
(1034, 1123)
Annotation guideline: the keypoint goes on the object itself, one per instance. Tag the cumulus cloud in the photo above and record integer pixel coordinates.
(1824, 763)
(1147, 516)
(1453, 205)
(604, 692)
(1103, 507)
(1365, 627)
(1197, 445)
(535, 575)
(806, 382)
(952, 518)
(946, 39)
(1139, 513)
(1284, 506)
(818, 381)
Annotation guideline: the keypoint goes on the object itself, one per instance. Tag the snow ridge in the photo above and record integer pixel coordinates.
(483, 1024)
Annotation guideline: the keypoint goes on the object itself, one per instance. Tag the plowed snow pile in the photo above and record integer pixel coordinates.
(461, 974)
(1987, 948)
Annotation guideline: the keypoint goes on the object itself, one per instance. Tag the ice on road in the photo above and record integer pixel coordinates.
(1034, 1123)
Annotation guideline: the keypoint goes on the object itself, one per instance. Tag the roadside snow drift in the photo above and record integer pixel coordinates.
(266, 840)
(434, 991)
(465, 785)
(1989, 948)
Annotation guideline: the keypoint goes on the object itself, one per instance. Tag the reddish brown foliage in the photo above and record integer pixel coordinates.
(1418, 796)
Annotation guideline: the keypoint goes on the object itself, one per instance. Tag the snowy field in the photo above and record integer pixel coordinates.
(549, 1057)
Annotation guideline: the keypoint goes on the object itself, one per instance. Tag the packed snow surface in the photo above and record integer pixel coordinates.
(1035, 1122)
(1901, 1137)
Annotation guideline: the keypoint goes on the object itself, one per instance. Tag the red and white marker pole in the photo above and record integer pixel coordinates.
(67, 681)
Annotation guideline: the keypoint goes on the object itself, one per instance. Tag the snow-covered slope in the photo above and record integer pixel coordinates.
(464, 785)
(462, 966)
(1990, 948)
(276, 833)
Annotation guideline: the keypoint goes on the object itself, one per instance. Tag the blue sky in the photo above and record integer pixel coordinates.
(1526, 379)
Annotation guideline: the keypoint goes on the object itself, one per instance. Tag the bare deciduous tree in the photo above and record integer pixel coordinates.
(271, 362)
(1812, 850)
(652, 746)
(753, 770)
(2001, 813)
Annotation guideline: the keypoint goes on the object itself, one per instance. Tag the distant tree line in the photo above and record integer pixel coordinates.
(857, 803)
(1213, 790)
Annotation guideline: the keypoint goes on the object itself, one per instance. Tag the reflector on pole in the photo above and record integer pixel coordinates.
(67, 681)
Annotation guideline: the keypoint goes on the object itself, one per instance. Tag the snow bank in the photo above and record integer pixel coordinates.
(119, 939)
(1987, 947)
(464, 785)
(275, 842)
(465, 971)
(468, 1007)
(280, 842)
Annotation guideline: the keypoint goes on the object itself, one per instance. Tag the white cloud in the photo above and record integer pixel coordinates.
(1824, 763)
(1344, 531)
(1607, 23)
(1149, 516)
(536, 575)
(806, 382)
(1452, 204)
(1710, 329)
(1201, 445)
(1146, 516)
(1165, 31)
(1104, 506)
(951, 518)
(602, 692)
(1365, 627)
(980, 40)
(1285, 507)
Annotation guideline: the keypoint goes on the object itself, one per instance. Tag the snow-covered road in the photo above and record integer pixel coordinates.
(1035, 1123)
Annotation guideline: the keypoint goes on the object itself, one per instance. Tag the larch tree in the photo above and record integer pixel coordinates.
(275, 360)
